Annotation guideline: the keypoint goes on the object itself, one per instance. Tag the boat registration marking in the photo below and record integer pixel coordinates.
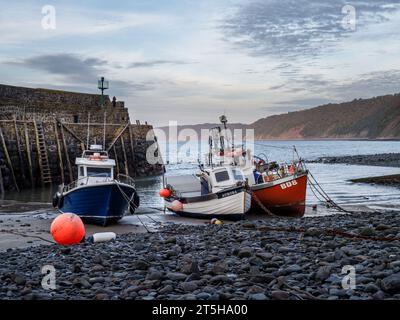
(229, 193)
(288, 184)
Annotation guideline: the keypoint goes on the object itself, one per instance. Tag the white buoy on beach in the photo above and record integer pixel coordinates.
(103, 236)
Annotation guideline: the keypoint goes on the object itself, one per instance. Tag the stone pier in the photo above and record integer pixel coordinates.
(42, 132)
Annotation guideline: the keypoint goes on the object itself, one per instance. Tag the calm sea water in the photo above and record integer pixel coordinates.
(333, 177)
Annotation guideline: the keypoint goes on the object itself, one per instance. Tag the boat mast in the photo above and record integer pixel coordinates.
(210, 151)
(222, 142)
(104, 130)
(224, 121)
(88, 132)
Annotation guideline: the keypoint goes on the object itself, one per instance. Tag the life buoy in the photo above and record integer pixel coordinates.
(96, 156)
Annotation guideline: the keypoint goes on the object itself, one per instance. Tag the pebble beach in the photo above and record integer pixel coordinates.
(158, 256)
(273, 258)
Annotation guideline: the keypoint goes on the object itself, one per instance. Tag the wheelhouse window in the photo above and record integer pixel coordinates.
(221, 176)
(98, 172)
(81, 171)
(237, 175)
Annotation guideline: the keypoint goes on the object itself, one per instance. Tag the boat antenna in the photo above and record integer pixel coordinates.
(88, 132)
(104, 130)
(210, 143)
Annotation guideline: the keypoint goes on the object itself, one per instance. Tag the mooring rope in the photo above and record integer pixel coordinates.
(128, 200)
(317, 187)
(267, 211)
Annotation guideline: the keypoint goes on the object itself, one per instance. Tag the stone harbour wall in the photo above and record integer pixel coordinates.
(47, 97)
(63, 117)
(63, 144)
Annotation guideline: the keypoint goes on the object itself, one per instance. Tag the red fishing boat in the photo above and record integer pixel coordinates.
(279, 190)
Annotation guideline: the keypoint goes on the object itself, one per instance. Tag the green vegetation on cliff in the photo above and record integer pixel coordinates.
(375, 118)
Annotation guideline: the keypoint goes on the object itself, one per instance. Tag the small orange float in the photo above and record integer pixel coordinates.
(165, 193)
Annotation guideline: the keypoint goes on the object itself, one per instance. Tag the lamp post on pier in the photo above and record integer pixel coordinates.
(102, 85)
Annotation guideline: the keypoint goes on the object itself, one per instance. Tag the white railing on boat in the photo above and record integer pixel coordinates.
(85, 180)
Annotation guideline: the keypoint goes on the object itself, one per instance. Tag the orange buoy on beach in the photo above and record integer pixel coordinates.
(67, 229)
(165, 193)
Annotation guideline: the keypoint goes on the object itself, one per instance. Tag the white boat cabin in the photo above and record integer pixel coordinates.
(94, 166)
(220, 178)
(210, 180)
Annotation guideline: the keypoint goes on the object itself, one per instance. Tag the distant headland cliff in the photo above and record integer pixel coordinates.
(374, 118)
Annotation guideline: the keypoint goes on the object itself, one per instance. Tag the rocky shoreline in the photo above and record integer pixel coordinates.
(382, 159)
(270, 259)
(390, 180)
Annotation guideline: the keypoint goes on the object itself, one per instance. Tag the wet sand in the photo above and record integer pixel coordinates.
(28, 224)
(25, 224)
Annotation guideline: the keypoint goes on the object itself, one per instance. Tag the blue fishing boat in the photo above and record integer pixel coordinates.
(97, 196)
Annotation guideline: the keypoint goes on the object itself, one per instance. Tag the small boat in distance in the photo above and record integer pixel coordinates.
(97, 196)
(216, 192)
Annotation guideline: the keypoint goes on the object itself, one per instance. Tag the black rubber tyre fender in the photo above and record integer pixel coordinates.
(136, 200)
(134, 204)
(61, 202)
(55, 200)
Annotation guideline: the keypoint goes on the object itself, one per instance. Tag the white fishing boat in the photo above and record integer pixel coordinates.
(216, 192)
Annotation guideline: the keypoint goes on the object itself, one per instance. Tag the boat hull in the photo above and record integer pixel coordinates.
(283, 197)
(100, 204)
(229, 204)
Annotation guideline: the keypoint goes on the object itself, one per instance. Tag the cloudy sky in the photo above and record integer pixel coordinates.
(191, 60)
